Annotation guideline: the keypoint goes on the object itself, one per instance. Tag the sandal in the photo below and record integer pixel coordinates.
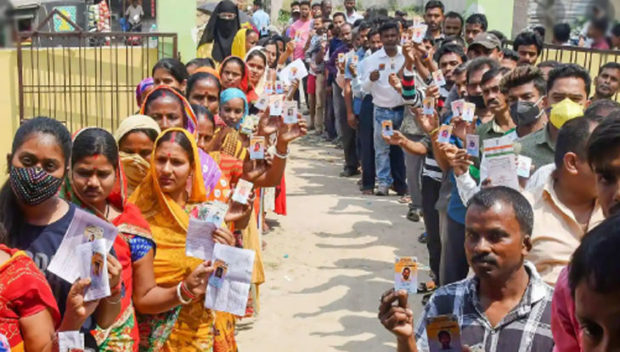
(406, 199)
(427, 287)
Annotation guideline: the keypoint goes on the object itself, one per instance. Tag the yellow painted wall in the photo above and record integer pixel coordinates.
(99, 104)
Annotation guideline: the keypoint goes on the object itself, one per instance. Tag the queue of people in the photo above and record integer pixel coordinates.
(507, 241)
(393, 94)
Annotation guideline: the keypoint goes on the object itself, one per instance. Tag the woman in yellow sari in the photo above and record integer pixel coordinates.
(165, 202)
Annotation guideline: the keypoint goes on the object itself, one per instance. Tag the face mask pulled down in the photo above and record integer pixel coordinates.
(135, 168)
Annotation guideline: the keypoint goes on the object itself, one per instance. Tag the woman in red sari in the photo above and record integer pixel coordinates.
(234, 73)
(96, 182)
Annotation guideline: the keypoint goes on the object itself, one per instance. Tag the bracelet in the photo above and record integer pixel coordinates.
(434, 131)
(117, 301)
(186, 291)
(117, 289)
(281, 156)
(180, 297)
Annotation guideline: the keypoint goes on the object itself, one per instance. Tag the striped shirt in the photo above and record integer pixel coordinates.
(526, 328)
(430, 168)
(411, 95)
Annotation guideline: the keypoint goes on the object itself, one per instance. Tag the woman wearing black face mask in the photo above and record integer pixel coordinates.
(220, 30)
(527, 116)
(35, 218)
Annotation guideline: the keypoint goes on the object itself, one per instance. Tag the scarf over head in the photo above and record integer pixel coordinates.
(210, 171)
(234, 93)
(134, 166)
(244, 85)
(221, 32)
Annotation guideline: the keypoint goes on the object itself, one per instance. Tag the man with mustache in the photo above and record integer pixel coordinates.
(506, 306)
(607, 83)
(495, 101)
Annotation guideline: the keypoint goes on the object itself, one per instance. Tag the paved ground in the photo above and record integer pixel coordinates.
(328, 261)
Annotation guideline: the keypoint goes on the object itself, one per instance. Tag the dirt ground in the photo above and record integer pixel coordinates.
(328, 261)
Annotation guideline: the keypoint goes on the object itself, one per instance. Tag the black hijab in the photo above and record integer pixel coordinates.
(221, 32)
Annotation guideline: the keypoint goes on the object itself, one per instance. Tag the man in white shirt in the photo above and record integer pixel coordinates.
(134, 14)
(351, 14)
(388, 106)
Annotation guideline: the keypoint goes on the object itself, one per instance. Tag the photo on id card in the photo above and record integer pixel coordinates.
(387, 128)
(472, 142)
(428, 106)
(290, 112)
(93, 256)
(443, 334)
(257, 148)
(279, 87)
(469, 110)
(262, 103)
(439, 79)
(242, 191)
(275, 105)
(406, 274)
(445, 132)
(217, 278)
(457, 107)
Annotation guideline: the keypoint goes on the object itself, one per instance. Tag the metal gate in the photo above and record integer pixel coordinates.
(85, 78)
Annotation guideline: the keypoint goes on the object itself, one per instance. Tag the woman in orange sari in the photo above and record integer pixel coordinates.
(166, 202)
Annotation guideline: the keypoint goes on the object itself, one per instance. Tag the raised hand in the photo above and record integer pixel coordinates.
(253, 169)
(77, 310)
(114, 271)
(395, 82)
(395, 139)
(290, 132)
(223, 236)
(396, 318)
(196, 282)
(427, 122)
(433, 91)
(460, 162)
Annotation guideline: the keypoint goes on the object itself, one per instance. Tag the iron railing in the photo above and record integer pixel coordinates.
(85, 78)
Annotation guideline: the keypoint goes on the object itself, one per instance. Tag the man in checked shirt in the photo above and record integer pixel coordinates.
(505, 307)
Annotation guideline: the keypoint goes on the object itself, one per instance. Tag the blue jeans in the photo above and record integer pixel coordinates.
(389, 160)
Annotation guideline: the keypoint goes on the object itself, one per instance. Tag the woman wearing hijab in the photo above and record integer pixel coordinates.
(220, 31)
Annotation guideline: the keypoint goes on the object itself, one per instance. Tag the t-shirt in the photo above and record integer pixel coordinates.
(132, 12)
(41, 243)
(300, 30)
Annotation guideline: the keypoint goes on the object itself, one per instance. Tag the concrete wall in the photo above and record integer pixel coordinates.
(179, 17)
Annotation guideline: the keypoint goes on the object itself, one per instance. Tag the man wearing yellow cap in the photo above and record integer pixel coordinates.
(568, 88)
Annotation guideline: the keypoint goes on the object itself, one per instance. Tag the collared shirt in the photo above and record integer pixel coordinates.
(489, 130)
(261, 21)
(539, 147)
(383, 94)
(527, 327)
(354, 17)
(556, 233)
(356, 82)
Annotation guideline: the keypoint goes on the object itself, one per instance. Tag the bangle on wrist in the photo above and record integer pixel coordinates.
(185, 291)
(117, 289)
(180, 296)
(434, 131)
(281, 156)
(113, 301)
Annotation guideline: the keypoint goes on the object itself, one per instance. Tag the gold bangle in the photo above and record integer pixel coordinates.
(434, 131)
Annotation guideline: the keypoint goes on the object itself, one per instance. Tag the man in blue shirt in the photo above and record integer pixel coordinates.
(261, 19)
